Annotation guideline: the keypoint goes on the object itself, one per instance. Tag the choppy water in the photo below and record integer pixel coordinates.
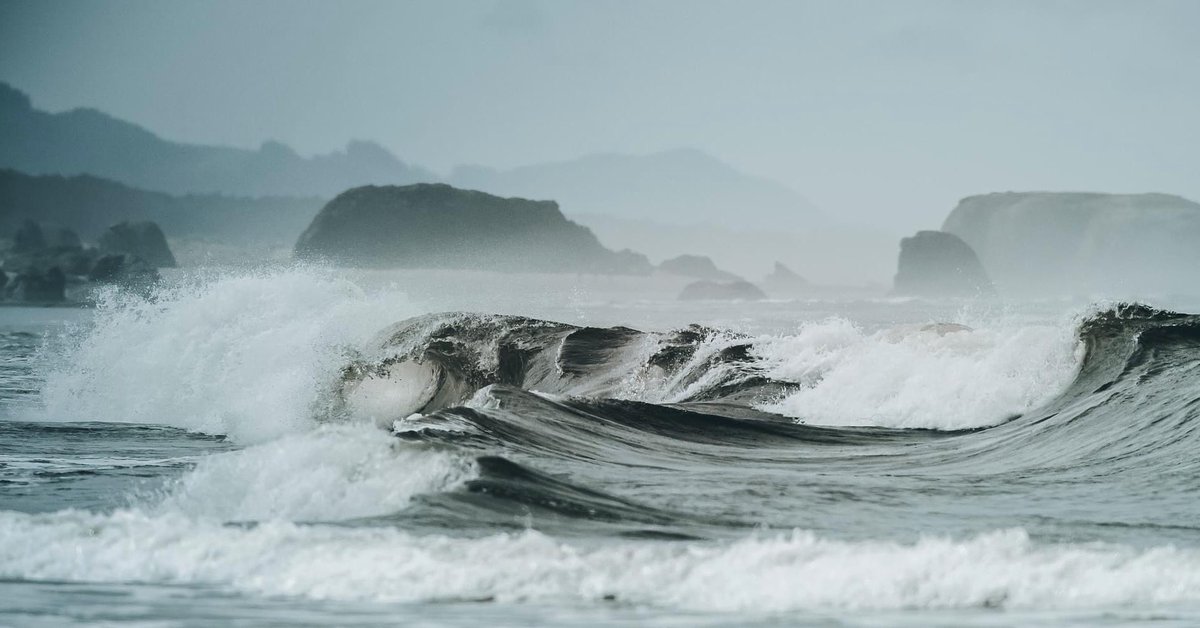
(304, 447)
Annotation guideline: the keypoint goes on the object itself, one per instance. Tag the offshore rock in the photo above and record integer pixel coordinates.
(784, 280)
(144, 240)
(936, 263)
(34, 286)
(696, 267)
(38, 247)
(123, 269)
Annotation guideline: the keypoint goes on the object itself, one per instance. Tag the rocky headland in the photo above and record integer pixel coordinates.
(438, 226)
(1055, 243)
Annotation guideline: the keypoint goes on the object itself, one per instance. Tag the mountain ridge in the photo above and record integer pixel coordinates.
(89, 141)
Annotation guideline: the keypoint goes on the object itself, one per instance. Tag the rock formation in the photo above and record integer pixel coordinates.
(38, 247)
(35, 286)
(44, 260)
(784, 280)
(127, 270)
(1082, 243)
(721, 291)
(439, 226)
(696, 267)
(28, 238)
(143, 240)
(936, 263)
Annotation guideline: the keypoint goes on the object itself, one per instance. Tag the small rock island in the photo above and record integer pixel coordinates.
(936, 263)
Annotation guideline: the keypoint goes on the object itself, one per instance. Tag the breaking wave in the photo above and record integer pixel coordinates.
(530, 460)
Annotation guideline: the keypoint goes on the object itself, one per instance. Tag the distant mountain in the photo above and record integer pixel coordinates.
(679, 186)
(86, 141)
(90, 205)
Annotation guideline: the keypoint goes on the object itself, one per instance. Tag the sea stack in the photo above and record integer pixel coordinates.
(936, 263)
(143, 240)
(784, 280)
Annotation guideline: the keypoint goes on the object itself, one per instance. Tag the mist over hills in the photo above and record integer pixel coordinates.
(89, 205)
(87, 141)
(91, 169)
(684, 186)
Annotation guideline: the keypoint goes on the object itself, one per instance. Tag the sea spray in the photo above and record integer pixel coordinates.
(250, 356)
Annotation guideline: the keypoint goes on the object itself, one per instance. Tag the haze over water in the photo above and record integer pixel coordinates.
(353, 405)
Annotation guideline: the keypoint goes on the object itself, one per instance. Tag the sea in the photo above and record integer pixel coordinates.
(295, 446)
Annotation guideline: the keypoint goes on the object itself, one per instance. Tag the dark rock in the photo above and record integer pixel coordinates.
(32, 237)
(60, 238)
(936, 263)
(783, 279)
(38, 247)
(77, 261)
(29, 238)
(70, 261)
(696, 267)
(438, 226)
(38, 287)
(143, 240)
(124, 269)
(722, 291)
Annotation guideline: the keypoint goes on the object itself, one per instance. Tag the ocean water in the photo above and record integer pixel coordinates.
(315, 447)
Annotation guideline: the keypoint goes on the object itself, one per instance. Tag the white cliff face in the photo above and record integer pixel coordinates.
(1114, 245)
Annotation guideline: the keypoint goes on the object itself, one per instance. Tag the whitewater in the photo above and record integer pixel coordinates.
(306, 446)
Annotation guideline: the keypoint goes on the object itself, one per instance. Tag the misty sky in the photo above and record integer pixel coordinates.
(879, 112)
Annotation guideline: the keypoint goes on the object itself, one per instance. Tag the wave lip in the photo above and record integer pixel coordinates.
(945, 376)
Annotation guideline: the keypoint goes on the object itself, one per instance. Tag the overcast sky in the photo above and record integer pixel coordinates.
(880, 112)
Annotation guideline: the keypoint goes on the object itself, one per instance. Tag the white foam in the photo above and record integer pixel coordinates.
(919, 378)
(250, 356)
(788, 572)
(327, 474)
